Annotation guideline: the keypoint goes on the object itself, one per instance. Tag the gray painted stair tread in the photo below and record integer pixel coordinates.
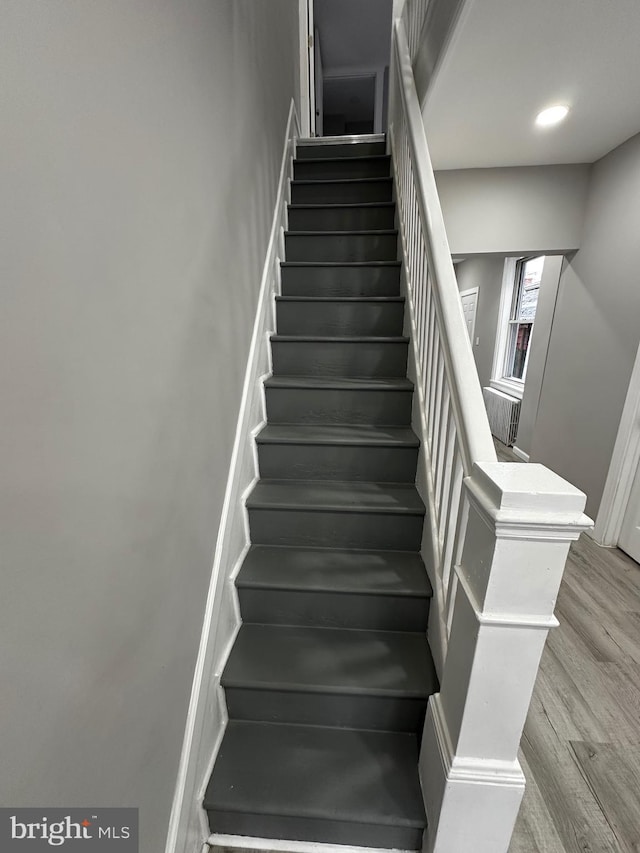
(337, 495)
(340, 149)
(376, 231)
(376, 157)
(356, 339)
(353, 140)
(343, 206)
(333, 660)
(397, 573)
(348, 300)
(361, 436)
(340, 263)
(315, 772)
(373, 179)
(340, 382)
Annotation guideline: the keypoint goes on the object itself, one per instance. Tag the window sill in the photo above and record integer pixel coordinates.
(509, 386)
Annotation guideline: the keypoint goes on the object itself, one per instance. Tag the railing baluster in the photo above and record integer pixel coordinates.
(445, 410)
(494, 524)
(435, 380)
(437, 415)
(454, 521)
(423, 277)
(429, 314)
(445, 485)
(425, 307)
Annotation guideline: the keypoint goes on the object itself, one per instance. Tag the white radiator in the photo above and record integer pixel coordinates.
(503, 412)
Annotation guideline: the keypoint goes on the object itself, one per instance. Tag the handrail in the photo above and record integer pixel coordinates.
(495, 578)
(474, 434)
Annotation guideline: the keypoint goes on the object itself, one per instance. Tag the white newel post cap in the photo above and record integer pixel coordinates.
(527, 501)
(522, 520)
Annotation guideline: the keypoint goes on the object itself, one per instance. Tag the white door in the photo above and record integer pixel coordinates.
(630, 533)
(469, 299)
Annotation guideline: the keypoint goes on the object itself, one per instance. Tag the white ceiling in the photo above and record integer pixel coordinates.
(509, 59)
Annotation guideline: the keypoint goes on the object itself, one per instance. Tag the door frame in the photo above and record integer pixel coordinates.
(623, 467)
(468, 292)
(318, 82)
(307, 83)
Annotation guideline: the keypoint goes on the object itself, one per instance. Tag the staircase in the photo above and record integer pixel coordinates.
(327, 683)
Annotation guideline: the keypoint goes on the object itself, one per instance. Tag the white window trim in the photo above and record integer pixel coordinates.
(513, 387)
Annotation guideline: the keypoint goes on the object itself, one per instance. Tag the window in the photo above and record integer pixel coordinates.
(521, 286)
(523, 312)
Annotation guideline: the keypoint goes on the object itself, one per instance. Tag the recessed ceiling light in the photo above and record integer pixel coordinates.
(552, 115)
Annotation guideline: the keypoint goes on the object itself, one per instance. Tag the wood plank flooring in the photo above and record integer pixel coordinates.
(580, 750)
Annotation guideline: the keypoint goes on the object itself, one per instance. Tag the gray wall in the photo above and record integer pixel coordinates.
(538, 349)
(595, 331)
(514, 211)
(437, 30)
(141, 150)
(485, 273)
(353, 33)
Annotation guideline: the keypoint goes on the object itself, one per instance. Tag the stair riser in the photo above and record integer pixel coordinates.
(349, 149)
(352, 711)
(304, 406)
(334, 609)
(340, 319)
(341, 247)
(366, 359)
(312, 170)
(340, 281)
(342, 219)
(309, 829)
(333, 529)
(341, 193)
(322, 462)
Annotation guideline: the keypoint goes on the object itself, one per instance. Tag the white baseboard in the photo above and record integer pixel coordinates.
(593, 533)
(241, 842)
(520, 453)
(206, 717)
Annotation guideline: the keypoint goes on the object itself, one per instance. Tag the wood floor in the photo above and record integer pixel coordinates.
(581, 745)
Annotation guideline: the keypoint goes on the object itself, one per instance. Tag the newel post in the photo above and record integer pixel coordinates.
(522, 519)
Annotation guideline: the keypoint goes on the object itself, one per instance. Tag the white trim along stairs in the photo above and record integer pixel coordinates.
(207, 716)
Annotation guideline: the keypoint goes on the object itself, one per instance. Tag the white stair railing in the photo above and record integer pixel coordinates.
(457, 430)
(414, 15)
(498, 533)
